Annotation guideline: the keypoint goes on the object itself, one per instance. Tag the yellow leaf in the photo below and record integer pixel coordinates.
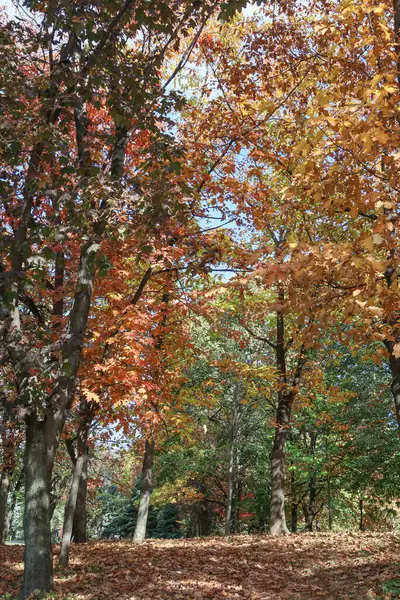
(368, 243)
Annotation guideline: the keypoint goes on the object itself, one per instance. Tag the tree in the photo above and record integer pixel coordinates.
(83, 87)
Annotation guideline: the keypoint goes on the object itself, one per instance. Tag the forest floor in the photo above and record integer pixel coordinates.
(298, 567)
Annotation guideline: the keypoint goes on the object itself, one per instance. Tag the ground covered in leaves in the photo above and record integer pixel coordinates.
(297, 567)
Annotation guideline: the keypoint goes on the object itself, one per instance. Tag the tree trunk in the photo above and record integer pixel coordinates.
(38, 558)
(277, 521)
(10, 511)
(145, 491)
(295, 504)
(238, 499)
(4, 489)
(311, 509)
(79, 526)
(329, 499)
(78, 484)
(69, 511)
(361, 506)
(295, 511)
(228, 514)
(395, 385)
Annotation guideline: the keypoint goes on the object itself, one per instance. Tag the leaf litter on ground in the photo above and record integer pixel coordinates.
(321, 566)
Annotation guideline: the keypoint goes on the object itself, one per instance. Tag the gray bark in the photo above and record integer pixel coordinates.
(145, 491)
(277, 522)
(43, 438)
(87, 410)
(38, 558)
(286, 395)
(80, 518)
(70, 510)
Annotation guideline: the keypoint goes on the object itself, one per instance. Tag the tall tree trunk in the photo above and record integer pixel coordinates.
(80, 517)
(38, 558)
(70, 510)
(4, 489)
(330, 514)
(294, 516)
(78, 483)
(311, 510)
(394, 362)
(228, 513)
(42, 437)
(295, 504)
(145, 491)
(82, 449)
(238, 499)
(329, 489)
(277, 521)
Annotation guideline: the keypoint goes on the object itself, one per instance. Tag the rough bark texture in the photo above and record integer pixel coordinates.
(145, 491)
(87, 410)
(43, 438)
(38, 558)
(277, 523)
(70, 510)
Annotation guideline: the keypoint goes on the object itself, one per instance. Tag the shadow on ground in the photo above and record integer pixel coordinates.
(298, 567)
